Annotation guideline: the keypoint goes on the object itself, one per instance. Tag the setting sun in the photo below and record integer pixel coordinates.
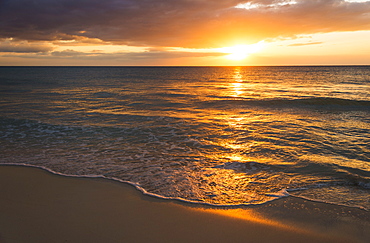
(240, 52)
(200, 33)
(235, 120)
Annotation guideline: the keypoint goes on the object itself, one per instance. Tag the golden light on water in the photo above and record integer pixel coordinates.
(238, 88)
(238, 84)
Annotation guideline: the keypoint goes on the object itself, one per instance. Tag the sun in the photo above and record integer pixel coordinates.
(237, 54)
(240, 52)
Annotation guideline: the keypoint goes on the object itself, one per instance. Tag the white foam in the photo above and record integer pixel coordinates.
(145, 192)
(280, 194)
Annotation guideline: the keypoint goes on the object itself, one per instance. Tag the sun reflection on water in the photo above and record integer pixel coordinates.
(238, 82)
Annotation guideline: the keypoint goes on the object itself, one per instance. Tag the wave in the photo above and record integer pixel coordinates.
(273, 196)
(324, 103)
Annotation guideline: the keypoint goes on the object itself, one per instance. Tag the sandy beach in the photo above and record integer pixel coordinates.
(38, 206)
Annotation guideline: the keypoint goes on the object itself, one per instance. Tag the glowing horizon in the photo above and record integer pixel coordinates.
(203, 33)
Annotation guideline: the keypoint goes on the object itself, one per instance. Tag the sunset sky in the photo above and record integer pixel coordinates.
(184, 32)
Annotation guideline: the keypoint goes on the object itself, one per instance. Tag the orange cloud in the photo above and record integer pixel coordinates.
(177, 23)
(7, 45)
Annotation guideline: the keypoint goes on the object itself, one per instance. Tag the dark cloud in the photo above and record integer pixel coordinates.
(183, 23)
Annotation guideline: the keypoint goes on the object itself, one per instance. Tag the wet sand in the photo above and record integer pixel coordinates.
(38, 206)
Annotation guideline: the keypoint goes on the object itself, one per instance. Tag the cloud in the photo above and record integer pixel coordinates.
(153, 54)
(8, 45)
(177, 23)
(306, 44)
(67, 53)
(265, 4)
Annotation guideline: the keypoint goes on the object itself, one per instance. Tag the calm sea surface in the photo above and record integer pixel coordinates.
(216, 135)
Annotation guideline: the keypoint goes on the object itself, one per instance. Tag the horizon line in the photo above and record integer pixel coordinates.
(176, 66)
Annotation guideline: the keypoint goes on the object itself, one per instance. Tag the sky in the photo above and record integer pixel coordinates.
(184, 32)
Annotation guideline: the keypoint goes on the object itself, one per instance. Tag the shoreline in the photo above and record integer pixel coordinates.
(179, 200)
(37, 205)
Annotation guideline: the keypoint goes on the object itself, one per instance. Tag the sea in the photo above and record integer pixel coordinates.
(224, 136)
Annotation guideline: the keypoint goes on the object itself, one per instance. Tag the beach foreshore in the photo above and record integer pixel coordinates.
(38, 206)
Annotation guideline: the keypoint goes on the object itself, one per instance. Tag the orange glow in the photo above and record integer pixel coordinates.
(251, 216)
(238, 84)
(240, 52)
(244, 214)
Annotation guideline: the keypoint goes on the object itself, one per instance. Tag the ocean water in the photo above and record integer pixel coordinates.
(214, 135)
